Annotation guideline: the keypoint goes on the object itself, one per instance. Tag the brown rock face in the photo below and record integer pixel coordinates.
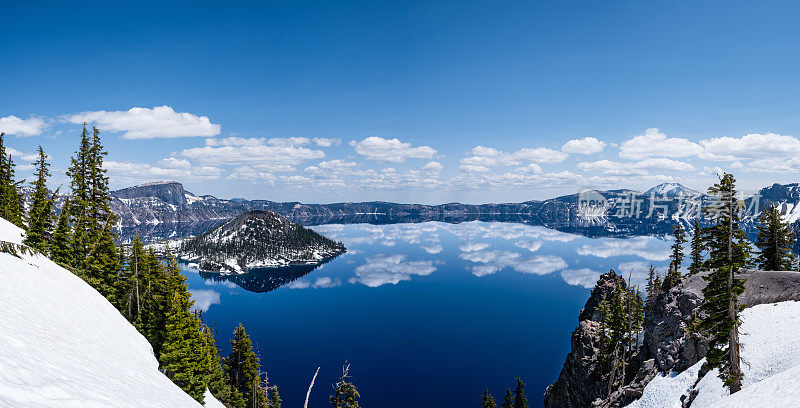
(666, 344)
(581, 381)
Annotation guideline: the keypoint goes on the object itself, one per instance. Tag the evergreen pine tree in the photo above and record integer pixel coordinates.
(217, 380)
(729, 251)
(40, 216)
(520, 400)
(775, 239)
(61, 247)
(183, 356)
(242, 366)
(697, 248)
(508, 399)
(101, 267)
(11, 205)
(673, 273)
(487, 401)
(652, 287)
(345, 394)
(78, 172)
(274, 397)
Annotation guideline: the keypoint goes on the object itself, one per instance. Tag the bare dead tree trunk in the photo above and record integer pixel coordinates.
(310, 386)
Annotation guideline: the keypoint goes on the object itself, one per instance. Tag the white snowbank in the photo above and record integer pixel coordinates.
(771, 373)
(211, 401)
(63, 345)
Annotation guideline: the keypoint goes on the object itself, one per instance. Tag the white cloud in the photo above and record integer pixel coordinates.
(750, 146)
(473, 246)
(580, 277)
(16, 154)
(432, 166)
(288, 141)
(249, 154)
(492, 261)
(587, 145)
(390, 269)
(175, 163)
(12, 125)
(654, 143)
(236, 141)
(326, 141)
(128, 172)
(204, 298)
(771, 165)
(484, 159)
(636, 168)
(391, 150)
(649, 248)
(145, 123)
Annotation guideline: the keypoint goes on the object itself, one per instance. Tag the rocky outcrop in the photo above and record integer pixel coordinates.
(582, 381)
(667, 345)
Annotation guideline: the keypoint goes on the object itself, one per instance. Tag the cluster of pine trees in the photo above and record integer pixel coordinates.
(150, 292)
(512, 399)
(722, 250)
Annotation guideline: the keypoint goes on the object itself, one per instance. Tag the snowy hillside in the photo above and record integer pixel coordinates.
(771, 375)
(62, 344)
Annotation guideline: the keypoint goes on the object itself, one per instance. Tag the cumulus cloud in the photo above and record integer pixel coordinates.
(432, 166)
(246, 152)
(288, 141)
(145, 123)
(391, 150)
(321, 282)
(485, 159)
(130, 172)
(204, 298)
(655, 143)
(326, 141)
(750, 146)
(649, 248)
(12, 125)
(580, 277)
(587, 145)
(390, 269)
(492, 261)
(635, 168)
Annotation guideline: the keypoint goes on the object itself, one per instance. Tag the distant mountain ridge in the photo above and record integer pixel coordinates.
(166, 210)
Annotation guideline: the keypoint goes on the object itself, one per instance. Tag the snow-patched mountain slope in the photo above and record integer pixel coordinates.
(62, 344)
(771, 375)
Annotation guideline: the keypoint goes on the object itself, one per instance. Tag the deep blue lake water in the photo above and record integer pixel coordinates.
(428, 315)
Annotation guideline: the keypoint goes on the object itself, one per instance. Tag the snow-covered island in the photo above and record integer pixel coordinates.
(257, 239)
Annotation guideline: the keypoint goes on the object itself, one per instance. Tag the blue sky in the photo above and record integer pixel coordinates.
(408, 101)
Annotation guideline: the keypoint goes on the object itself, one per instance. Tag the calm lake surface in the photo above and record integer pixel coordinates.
(428, 315)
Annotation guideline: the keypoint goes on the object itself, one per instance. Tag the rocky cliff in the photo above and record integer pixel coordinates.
(666, 344)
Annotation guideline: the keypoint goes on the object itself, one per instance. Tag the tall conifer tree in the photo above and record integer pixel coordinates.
(487, 401)
(508, 399)
(676, 259)
(242, 366)
(775, 240)
(697, 248)
(40, 216)
(729, 251)
(183, 356)
(520, 400)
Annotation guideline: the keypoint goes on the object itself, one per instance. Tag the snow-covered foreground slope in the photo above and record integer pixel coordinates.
(772, 373)
(63, 345)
